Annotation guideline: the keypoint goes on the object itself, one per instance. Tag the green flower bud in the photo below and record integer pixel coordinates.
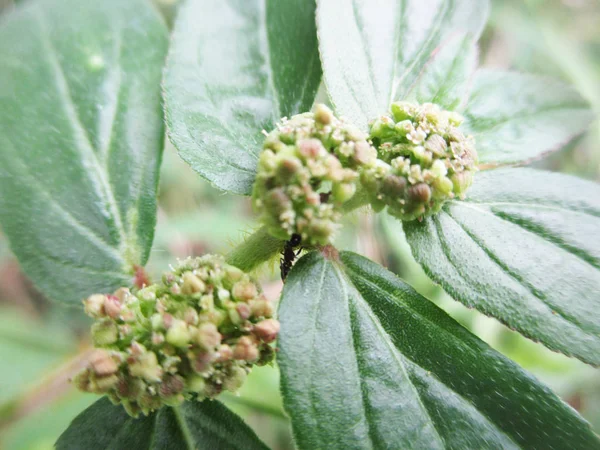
(461, 182)
(342, 192)
(192, 284)
(235, 380)
(261, 308)
(146, 366)
(425, 160)
(244, 291)
(196, 384)
(103, 385)
(178, 334)
(304, 156)
(207, 336)
(104, 333)
(194, 334)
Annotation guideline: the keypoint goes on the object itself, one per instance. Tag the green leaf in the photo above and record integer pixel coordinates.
(372, 52)
(524, 249)
(446, 77)
(194, 425)
(235, 68)
(81, 138)
(366, 362)
(516, 117)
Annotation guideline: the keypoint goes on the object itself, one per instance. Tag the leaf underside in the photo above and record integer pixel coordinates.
(523, 248)
(446, 78)
(372, 52)
(194, 425)
(81, 140)
(368, 363)
(235, 68)
(517, 117)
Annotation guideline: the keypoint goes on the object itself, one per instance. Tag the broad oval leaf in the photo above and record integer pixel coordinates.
(446, 78)
(206, 425)
(235, 68)
(518, 117)
(81, 140)
(372, 52)
(367, 363)
(523, 248)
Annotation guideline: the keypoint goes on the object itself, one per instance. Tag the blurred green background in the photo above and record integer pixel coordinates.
(40, 341)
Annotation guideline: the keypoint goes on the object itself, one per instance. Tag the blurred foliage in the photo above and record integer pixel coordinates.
(553, 37)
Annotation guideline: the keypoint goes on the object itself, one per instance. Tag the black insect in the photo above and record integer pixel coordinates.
(289, 254)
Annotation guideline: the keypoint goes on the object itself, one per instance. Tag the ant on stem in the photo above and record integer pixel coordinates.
(288, 255)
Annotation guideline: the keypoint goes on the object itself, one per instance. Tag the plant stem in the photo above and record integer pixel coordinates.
(257, 249)
(358, 200)
(260, 246)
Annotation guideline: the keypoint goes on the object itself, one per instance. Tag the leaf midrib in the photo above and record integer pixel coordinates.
(93, 237)
(389, 343)
(89, 158)
(385, 338)
(433, 34)
(468, 204)
(394, 350)
(516, 277)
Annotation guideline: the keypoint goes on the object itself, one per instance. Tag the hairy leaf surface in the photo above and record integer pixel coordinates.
(446, 78)
(372, 52)
(367, 363)
(518, 117)
(81, 140)
(235, 68)
(523, 248)
(206, 425)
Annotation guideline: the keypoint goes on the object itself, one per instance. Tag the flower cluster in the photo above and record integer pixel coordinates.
(424, 160)
(195, 334)
(308, 168)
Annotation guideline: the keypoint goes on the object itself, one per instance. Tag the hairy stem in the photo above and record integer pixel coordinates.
(358, 200)
(257, 249)
(260, 247)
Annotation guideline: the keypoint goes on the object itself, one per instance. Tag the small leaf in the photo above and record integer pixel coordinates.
(446, 77)
(516, 117)
(524, 249)
(194, 425)
(367, 363)
(235, 68)
(372, 52)
(81, 138)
